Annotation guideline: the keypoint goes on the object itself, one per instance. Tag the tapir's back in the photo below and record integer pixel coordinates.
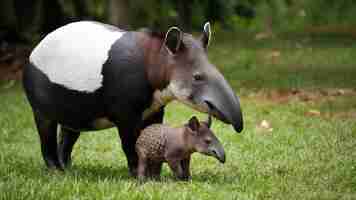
(82, 71)
(73, 55)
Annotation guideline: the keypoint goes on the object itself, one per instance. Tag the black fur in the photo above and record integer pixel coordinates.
(70, 108)
(126, 88)
(124, 96)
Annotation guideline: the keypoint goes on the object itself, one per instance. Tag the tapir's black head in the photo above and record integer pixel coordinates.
(196, 82)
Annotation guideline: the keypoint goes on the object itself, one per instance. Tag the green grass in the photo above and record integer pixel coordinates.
(303, 157)
(304, 62)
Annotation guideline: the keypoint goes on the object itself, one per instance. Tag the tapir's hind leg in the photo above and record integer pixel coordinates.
(47, 130)
(129, 134)
(67, 140)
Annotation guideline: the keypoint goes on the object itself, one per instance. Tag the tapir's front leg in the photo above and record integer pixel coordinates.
(67, 140)
(154, 169)
(129, 135)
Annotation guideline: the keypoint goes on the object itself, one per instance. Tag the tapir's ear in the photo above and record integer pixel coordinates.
(206, 35)
(173, 39)
(193, 123)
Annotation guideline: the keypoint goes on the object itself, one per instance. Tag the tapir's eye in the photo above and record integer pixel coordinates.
(198, 77)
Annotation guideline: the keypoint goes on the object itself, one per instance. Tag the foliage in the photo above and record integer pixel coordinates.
(253, 15)
(164, 13)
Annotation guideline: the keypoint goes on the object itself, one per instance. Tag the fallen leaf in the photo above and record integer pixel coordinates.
(313, 113)
(263, 35)
(295, 91)
(341, 92)
(275, 53)
(265, 125)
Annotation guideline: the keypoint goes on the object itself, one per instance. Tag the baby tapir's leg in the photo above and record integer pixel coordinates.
(154, 169)
(185, 163)
(176, 167)
(142, 166)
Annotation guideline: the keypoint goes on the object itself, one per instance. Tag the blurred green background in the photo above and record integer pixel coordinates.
(24, 23)
(292, 63)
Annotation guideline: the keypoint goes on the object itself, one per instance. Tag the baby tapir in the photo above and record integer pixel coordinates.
(160, 143)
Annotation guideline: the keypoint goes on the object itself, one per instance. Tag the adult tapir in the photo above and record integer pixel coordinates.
(89, 76)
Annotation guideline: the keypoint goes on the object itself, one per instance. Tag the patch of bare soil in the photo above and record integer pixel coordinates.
(287, 95)
(314, 97)
(12, 60)
(345, 30)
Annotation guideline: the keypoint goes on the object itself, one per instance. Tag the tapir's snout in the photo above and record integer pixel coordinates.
(223, 103)
(228, 114)
(199, 84)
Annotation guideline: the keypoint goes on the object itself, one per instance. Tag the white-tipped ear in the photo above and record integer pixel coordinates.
(173, 39)
(206, 34)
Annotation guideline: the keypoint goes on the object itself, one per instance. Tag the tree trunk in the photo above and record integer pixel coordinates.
(119, 13)
(82, 8)
(7, 19)
(53, 15)
(28, 18)
(185, 14)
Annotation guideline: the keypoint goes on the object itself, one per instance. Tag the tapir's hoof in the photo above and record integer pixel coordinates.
(184, 178)
(133, 172)
(65, 165)
(51, 166)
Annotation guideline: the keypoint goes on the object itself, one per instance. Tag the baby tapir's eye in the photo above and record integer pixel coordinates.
(198, 77)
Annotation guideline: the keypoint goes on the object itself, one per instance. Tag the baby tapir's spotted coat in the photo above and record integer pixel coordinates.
(160, 143)
(151, 142)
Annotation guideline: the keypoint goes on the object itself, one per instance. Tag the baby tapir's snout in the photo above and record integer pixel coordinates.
(204, 140)
(216, 150)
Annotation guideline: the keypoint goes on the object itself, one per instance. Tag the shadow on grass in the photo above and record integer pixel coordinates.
(96, 173)
(18, 166)
(216, 177)
(28, 168)
(93, 173)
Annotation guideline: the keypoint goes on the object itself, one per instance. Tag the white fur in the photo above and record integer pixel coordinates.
(174, 91)
(74, 54)
(160, 98)
(207, 30)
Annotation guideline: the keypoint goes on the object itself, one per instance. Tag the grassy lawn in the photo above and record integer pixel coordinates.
(303, 90)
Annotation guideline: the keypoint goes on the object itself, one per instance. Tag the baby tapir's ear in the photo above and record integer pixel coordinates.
(193, 123)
